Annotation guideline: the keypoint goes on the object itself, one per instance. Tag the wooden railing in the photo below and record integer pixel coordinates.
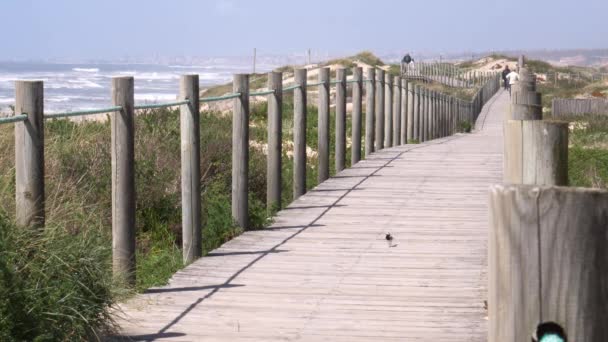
(397, 112)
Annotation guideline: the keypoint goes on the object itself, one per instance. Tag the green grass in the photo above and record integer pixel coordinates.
(464, 127)
(55, 285)
(588, 151)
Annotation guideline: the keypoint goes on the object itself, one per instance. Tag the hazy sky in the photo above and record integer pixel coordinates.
(41, 29)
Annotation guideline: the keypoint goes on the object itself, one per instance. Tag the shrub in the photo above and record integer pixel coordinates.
(54, 285)
(464, 127)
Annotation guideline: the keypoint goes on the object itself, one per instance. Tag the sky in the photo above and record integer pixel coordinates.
(42, 29)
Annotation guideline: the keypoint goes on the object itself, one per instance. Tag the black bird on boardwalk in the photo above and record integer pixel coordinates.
(389, 239)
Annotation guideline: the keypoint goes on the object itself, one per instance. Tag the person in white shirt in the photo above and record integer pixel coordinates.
(512, 78)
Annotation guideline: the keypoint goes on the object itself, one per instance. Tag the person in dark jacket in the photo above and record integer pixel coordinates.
(504, 77)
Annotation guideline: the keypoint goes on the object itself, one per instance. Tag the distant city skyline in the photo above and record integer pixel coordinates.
(113, 29)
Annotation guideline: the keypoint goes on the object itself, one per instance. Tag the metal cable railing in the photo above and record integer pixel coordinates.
(162, 105)
(262, 92)
(220, 98)
(11, 119)
(23, 117)
(83, 112)
(295, 86)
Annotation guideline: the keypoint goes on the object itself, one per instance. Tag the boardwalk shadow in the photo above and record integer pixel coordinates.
(291, 227)
(314, 207)
(298, 230)
(347, 189)
(265, 252)
(192, 288)
(148, 337)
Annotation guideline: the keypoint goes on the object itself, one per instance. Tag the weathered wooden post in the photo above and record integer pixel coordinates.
(356, 115)
(388, 110)
(189, 119)
(520, 62)
(432, 115)
(548, 255)
(536, 152)
(299, 134)
(526, 98)
(437, 130)
(323, 129)
(123, 180)
(370, 104)
(275, 141)
(29, 154)
(397, 112)
(416, 112)
(410, 112)
(379, 110)
(404, 110)
(421, 113)
(448, 116)
(443, 117)
(425, 114)
(240, 151)
(340, 154)
(453, 115)
(526, 112)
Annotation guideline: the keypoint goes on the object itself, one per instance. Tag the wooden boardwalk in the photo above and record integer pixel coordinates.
(324, 271)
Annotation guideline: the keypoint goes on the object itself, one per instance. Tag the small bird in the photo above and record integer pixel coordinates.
(550, 332)
(389, 238)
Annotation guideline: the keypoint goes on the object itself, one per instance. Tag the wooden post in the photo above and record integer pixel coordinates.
(536, 152)
(340, 153)
(379, 110)
(123, 180)
(404, 110)
(370, 95)
(397, 112)
(432, 115)
(240, 151)
(425, 113)
(526, 97)
(388, 110)
(520, 62)
(526, 112)
(323, 129)
(299, 134)
(29, 154)
(356, 116)
(189, 119)
(548, 255)
(443, 115)
(438, 116)
(423, 108)
(275, 141)
(416, 112)
(411, 91)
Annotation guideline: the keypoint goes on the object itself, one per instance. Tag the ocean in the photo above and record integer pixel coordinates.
(69, 87)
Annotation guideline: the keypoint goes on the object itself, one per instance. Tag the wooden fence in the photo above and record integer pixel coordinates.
(547, 244)
(569, 107)
(446, 73)
(397, 112)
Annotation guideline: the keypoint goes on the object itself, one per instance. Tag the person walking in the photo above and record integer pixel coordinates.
(512, 78)
(505, 72)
